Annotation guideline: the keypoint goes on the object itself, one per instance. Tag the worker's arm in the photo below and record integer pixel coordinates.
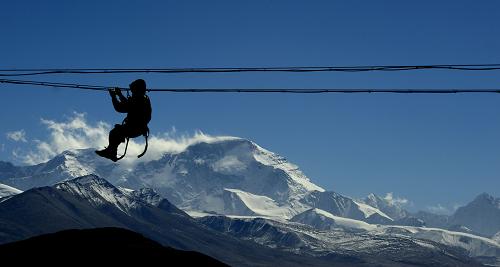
(120, 104)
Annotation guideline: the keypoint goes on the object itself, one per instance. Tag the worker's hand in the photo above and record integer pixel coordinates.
(118, 91)
(111, 92)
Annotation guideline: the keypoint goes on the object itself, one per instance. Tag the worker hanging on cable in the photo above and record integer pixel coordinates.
(138, 109)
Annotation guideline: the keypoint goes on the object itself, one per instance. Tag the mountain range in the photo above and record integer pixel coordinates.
(230, 177)
(92, 202)
(232, 193)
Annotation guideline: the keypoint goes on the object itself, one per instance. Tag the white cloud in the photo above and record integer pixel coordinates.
(17, 136)
(439, 209)
(456, 206)
(397, 201)
(443, 210)
(228, 164)
(77, 133)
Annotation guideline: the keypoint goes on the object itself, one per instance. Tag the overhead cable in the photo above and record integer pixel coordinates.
(252, 90)
(48, 71)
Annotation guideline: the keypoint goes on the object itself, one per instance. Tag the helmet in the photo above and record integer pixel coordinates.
(138, 86)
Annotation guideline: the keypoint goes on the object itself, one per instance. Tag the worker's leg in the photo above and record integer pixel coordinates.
(116, 137)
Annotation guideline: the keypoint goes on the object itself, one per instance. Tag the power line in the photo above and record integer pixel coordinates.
(252, 90)
(47, 71)
(58, 85)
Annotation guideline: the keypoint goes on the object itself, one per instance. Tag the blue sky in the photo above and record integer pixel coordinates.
(429, 149)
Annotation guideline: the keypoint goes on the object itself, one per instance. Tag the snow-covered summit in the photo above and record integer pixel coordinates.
(269, 158)
(196, 178)
(392, 208)
(65, 166)
(98, 191)
(6, 191)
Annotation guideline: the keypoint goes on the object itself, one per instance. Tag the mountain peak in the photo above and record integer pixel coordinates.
(88, 185)
(484, 197)
(393, 209)
(89, 179)
(481, 215)
(97, 191)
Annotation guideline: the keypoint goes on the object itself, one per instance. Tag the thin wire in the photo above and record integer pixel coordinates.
(58, 85)
(47, 71)
(252, 90)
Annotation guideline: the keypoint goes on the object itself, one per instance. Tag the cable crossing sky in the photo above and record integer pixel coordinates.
(48, 71)
(7, 74)
(252, 90)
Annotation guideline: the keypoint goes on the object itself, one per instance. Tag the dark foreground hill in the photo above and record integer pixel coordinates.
(99, 245)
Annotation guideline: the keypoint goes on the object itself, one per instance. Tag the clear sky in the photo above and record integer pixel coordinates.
(437, 151)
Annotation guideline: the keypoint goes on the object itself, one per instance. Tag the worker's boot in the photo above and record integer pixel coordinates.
(109, 153)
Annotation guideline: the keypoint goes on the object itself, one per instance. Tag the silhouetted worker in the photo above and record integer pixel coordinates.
(135, 124)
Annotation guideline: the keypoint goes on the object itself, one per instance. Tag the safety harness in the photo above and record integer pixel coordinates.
(146, 135)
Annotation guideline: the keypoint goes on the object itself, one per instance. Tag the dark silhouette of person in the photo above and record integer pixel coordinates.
(138, 109)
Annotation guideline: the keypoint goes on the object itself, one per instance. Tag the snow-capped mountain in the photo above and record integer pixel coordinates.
(475, 246)
(99, 192)
(482, 215)
(238, 177)
(92, 202)
(391, 208)
(386, 246)
(342, 206)
(233, 176)
(67, 165)
(218, 177)
(6, 191)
